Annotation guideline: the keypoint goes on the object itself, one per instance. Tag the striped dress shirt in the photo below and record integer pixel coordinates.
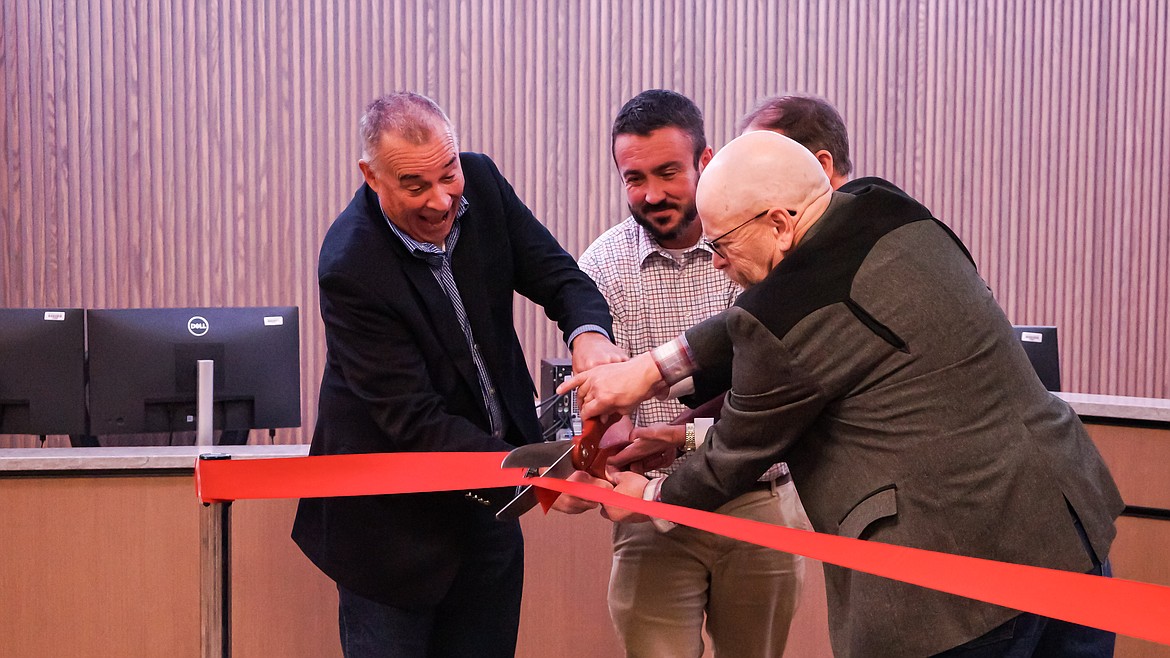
(439, 260)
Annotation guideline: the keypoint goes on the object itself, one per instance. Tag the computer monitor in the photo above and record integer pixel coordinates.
(1041, 347)
(42, 371)
(143, 373)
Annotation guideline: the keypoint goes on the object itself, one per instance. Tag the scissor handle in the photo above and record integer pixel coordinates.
(588, 455)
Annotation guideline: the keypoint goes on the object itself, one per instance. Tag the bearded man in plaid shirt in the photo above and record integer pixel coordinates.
(658, 280)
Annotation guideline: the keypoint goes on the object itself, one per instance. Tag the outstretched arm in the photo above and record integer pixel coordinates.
(615, 387)
(591, 349)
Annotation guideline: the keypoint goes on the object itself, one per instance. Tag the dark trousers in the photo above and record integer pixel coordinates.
(1030, 635)
(479, 616)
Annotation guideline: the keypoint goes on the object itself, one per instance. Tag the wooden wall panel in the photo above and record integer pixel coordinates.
(194, 152)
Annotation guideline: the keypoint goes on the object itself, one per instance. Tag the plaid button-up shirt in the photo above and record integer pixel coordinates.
(654, 295)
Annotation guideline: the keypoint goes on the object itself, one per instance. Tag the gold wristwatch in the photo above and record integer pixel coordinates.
(689, 439)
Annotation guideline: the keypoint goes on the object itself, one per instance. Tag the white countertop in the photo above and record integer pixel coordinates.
(132, 458)
(1118, 406)
(183, 457)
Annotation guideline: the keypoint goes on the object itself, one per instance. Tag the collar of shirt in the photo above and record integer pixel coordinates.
(648, 246)
(432, 254)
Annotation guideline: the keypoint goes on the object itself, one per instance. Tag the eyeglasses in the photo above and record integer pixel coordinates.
(711, 243)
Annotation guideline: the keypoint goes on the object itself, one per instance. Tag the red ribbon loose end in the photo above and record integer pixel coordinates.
(546, 498)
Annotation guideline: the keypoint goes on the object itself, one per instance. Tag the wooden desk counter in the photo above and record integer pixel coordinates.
(1133, 435)
(101, 554)
(102, 558)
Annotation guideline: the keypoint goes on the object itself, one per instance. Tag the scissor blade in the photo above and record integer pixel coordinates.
(526, 499)
(537, 455)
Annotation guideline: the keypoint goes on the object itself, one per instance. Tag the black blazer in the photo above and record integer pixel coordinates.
(399, 376)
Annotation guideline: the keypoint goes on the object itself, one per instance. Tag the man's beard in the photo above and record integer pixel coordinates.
(689, 215)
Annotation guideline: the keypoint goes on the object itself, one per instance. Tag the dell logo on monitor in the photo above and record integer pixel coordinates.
(197, 326)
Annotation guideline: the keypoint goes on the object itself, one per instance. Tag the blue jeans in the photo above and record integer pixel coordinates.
(1029, 634)
(478, 616)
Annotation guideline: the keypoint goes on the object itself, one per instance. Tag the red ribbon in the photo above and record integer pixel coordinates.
(1127, 607)
(223, 480)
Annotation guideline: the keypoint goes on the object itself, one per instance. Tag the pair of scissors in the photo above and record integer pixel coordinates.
(581, 453)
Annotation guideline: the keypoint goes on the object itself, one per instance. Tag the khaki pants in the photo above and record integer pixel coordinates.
(663, 584)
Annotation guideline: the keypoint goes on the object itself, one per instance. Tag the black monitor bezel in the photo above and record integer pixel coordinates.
(46, 367)
(1044, 355)
(115, 397)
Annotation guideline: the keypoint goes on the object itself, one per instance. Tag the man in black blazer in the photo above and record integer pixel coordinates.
(417, 277)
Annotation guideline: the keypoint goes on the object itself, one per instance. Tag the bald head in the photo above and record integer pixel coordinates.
(760, 170)
(762, 174)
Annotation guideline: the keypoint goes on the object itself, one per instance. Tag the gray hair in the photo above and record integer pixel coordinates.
(411, 116)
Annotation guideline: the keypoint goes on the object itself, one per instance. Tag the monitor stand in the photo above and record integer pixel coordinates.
(203, 403)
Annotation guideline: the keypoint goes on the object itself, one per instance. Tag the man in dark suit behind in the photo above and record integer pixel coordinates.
(416, 278)
(867, 352)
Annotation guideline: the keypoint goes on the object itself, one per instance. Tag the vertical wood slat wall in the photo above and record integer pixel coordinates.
(193, 152)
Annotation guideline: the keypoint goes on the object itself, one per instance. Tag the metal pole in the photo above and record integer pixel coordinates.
(203, 403)
(215, 586)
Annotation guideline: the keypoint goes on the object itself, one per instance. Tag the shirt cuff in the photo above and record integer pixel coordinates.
(702, 426)
(685, 387)
(651, 492)
(674, 360)
(584, 329)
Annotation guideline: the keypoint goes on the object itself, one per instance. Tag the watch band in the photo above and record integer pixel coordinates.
(689, 438)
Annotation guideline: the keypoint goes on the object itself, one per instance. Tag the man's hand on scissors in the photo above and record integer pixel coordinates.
(567, 504)
(618, 434)
(651, 447)
(630, 484)
(615, 387)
